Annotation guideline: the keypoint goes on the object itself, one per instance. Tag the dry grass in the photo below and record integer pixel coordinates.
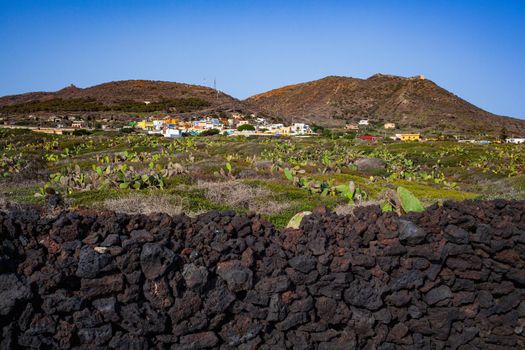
(145, 204)
(236, 194)
(509, 188)
(344, 209)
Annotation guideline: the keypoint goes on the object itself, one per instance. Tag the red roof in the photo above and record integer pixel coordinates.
(368, 138)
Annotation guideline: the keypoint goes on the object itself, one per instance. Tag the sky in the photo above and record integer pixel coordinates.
(473, 48)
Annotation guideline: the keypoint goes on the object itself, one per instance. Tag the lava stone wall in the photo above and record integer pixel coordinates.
(451, 277)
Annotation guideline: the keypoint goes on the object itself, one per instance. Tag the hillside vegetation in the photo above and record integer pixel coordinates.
(275, 177)
(181, 105)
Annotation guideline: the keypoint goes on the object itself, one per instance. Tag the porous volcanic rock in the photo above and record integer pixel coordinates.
(450, 277)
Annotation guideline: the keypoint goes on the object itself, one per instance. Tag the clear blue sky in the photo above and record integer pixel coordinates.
(476, 49)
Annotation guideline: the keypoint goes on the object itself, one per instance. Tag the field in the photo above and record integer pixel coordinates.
(276, 177)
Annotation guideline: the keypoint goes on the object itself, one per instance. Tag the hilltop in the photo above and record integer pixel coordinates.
(409, 102)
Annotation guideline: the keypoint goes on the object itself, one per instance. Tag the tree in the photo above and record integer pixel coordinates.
(81, 132)
(246, 127)
(317, 128)
(503, 134)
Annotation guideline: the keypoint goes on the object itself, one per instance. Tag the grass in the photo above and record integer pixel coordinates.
(430, 194)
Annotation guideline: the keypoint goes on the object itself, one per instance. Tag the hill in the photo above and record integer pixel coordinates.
(127, 95)
(408, 102)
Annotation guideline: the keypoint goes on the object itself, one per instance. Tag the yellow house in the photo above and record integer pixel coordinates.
(169, 120)
(145, 125)
(284, 130)
(409, 137)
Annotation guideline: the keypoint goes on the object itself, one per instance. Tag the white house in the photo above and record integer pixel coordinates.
(515, 140)
(273, 127)
(260, 121)
(363, 122)
(157, 124)
(301, 128)
(167, 132)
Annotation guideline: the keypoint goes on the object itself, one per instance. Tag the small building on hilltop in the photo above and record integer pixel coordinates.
(364, 122)
(389, 126)
(351, 127)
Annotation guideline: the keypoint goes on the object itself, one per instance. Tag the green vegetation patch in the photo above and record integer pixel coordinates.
(276, 177)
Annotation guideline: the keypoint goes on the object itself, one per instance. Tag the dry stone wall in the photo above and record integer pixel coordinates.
(451, 277)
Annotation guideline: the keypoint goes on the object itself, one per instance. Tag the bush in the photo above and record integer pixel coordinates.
(81, 132)
(326, 133)
(246, 127)
(210, 132)
(317, 128)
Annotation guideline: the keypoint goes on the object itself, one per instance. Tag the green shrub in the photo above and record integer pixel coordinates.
(81, 132)
(246, 127)
(210, 132)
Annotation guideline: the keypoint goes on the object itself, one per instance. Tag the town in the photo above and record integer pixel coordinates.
(237, 124)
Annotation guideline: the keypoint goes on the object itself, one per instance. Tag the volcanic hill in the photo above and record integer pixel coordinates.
(409, 102)
(126, 95)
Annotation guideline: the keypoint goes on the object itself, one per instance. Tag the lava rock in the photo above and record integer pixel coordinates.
(12, 290)
(410, 233)
(438, 294)
(195, 277)
(237, 276)
(456, 234)
(91, 263)
(155, 260)
(448, 277)
(303, 263)
(201, 340)
(364, 294)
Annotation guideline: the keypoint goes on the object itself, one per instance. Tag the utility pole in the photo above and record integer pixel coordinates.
(215, 87)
